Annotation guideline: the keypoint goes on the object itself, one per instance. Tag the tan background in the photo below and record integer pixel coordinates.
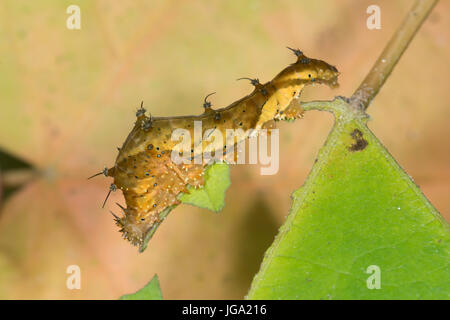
(68, 99)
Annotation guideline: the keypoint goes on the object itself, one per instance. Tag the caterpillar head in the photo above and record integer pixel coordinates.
(309, 70)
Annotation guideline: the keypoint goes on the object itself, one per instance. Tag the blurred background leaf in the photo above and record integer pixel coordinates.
(14, 173)
(69, 99)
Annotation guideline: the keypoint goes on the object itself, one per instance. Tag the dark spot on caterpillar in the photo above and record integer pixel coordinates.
(360, 142)
(150, 147)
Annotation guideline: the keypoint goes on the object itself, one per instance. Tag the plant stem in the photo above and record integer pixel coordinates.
(382, 68)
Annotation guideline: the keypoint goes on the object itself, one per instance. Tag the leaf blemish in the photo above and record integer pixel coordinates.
(360, 142)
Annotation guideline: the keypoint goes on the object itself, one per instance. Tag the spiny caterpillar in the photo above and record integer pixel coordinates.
(151, 181)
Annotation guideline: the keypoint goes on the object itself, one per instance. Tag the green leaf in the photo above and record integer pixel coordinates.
(357, 209)
(151, 291)
(212, 195)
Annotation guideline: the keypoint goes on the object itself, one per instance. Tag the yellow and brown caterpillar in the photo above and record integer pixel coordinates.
(151, 181)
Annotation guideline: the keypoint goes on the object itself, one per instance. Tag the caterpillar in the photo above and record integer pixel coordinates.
(151, 181)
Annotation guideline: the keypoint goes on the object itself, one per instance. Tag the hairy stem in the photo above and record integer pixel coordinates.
(382, 68)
